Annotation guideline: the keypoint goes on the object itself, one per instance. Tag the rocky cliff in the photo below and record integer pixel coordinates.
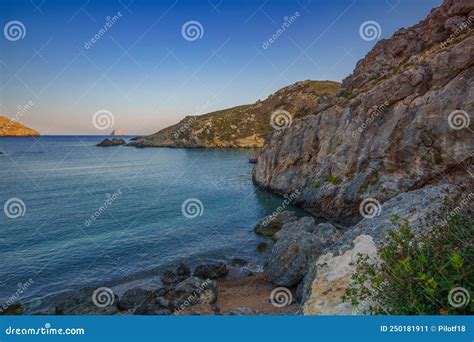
(401, 121)
(13, 128)
(243, 126)
(395, 141)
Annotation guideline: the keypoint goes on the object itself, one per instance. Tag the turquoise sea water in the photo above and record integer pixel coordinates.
(93, 215)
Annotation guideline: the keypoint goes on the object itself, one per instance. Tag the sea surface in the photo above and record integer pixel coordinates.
(77, 215)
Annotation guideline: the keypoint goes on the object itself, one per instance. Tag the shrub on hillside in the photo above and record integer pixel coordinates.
(428, 274)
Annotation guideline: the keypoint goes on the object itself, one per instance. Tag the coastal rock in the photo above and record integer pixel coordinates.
(398, 109)
(135, 298)
(169, 277)
(329, 276)
(189, 292)
(183, 272)
(114, 142)
(244, 126)
(238, 262)
(271, 224)
(299, 244)
(82, 303)
(211, 271)
(13, 309)
(12, 128)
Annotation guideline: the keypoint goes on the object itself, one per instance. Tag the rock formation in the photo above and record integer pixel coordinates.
(244, 126)
(9, 127)
(400, 122)
(394, 142)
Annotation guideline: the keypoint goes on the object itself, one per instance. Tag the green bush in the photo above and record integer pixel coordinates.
(417, 273)
(332, 179)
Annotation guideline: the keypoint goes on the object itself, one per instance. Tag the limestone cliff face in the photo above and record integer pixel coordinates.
(244, 126)
(401, 121)
(13, 128)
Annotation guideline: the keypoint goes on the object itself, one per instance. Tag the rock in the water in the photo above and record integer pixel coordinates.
(299, 244)
(169, 277)
(211, 271)
(189, 292)
(135, 298)
(152, 309)
(113, 142)
(238, 262)
(271, 224)
(262, 247)
(13, 309)
(183, 272)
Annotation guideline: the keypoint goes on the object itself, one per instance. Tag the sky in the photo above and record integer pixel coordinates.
(153, 62)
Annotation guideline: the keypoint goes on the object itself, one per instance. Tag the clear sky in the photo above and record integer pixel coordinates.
(144, 71)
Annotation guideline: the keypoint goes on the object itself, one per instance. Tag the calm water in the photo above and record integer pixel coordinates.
(63, 181)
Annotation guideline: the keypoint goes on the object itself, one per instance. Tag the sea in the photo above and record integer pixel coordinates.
(76, 215)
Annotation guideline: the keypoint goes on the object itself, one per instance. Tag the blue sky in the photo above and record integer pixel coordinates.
(149, 76)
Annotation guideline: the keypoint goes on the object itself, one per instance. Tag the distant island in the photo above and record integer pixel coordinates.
(12, 128)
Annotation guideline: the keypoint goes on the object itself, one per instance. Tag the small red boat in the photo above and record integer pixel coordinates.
(253, 160)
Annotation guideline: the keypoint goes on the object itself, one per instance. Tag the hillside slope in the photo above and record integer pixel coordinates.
(242, 126)
(13, 128)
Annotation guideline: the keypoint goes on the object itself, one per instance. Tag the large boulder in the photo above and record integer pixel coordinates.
(329, 276)
(299, 244)
(112, 142)
(189, 292)
(211, 271)
(271, 224)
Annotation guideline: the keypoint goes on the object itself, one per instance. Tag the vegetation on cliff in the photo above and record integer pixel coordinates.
(241, 126)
